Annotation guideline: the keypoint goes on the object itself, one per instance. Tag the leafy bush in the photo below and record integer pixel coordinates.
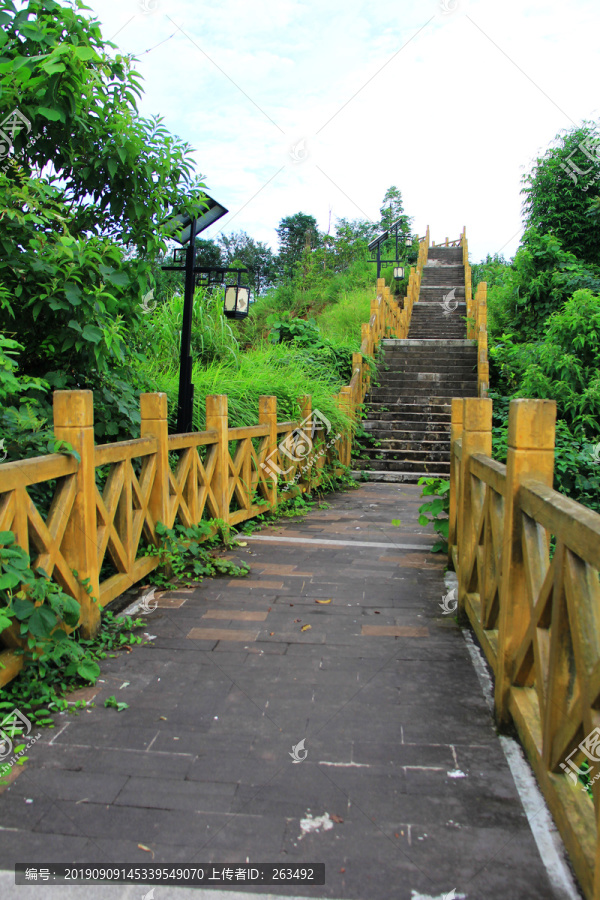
(184, 560)
(436, 511)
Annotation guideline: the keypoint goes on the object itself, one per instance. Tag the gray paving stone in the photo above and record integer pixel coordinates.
(199, 768)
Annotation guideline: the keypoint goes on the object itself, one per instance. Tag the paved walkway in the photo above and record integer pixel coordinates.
(401, 767)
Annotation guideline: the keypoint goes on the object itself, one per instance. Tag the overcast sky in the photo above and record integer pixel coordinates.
(320, 106)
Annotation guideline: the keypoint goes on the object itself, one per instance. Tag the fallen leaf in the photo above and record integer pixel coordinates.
(396, 523)
(337, 819)
(305, 627)
(269, 609)
(342, 870)
(297, 620)
(271, 633)
(396, 834)
(147, 849)
(164, 718)
(291, 604)
(241, 544)
(376, 612)
(323, 601)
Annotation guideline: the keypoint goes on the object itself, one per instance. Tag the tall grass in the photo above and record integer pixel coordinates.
(342, 321)
(265, 370)
(236, 359)
(212, 335)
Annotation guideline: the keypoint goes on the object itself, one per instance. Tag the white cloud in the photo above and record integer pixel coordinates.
(453, 119)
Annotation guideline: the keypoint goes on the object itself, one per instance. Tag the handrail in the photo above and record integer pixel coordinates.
(534, 606)
(476, 320)
(221, 472)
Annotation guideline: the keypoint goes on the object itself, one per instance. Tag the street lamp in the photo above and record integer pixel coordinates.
(398, 272)
(237, 300)
(183, 229)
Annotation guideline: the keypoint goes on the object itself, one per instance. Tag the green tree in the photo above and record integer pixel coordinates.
(541, 279)
(295, 234)
(87, 198)
(562, 192)
(494, 269)
(253, 255)
(392, 210)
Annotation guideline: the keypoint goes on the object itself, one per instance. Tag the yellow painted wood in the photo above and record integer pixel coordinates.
(476, 438)
(267, 415)
(216, 420)
(530, 450)
(74, 422)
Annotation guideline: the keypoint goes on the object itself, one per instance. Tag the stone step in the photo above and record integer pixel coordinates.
(397, 412)
(389, 438)
(420, 373)
(445, 253)
(428, 407)
(392, 422)
(410, 342)
(420, 388)
(395, 477)
(424, 352)
(402, 430)
(389, 449)
(408, 379)
(423, 466)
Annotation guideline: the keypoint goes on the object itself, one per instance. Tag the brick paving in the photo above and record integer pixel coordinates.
(401, 749)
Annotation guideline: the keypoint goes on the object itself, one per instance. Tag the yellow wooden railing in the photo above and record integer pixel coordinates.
(222, 472)
(231, 474)
(387, 320)
(476, 319)
(534, 606)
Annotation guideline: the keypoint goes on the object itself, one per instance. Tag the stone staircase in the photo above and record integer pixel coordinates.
(408, 411)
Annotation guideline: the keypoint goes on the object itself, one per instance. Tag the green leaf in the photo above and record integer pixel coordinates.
(42, 621)
(92, 333)
(52, 114)
(112, 166)
(73, 294)
(7, 538)
(84, 52)
(88, 670)
(118, 278)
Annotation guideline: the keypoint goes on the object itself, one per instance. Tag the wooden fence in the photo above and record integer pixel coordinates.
(527, 560)
(231, 474)
(476, 318)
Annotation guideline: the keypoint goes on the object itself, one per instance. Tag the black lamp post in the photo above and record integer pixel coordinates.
(184, 229)
(376, 245)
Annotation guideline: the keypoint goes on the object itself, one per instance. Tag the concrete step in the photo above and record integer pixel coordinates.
(445, 254)
(390, 448)
(423, 466)
(410, 342)
(393, 415)
(395, 477)
(402, 430)
(421, 388)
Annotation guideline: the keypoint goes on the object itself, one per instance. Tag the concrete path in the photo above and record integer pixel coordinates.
(403, 789)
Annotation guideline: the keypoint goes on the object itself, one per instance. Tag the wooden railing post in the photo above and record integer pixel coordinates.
(346, 407)
(305, 404)
(267, 415)
(357, 364)
(216, 420)
(456, 431)
(531, 426)
(153, 409)
(74, 422)
(476, 438)
(483, 368)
